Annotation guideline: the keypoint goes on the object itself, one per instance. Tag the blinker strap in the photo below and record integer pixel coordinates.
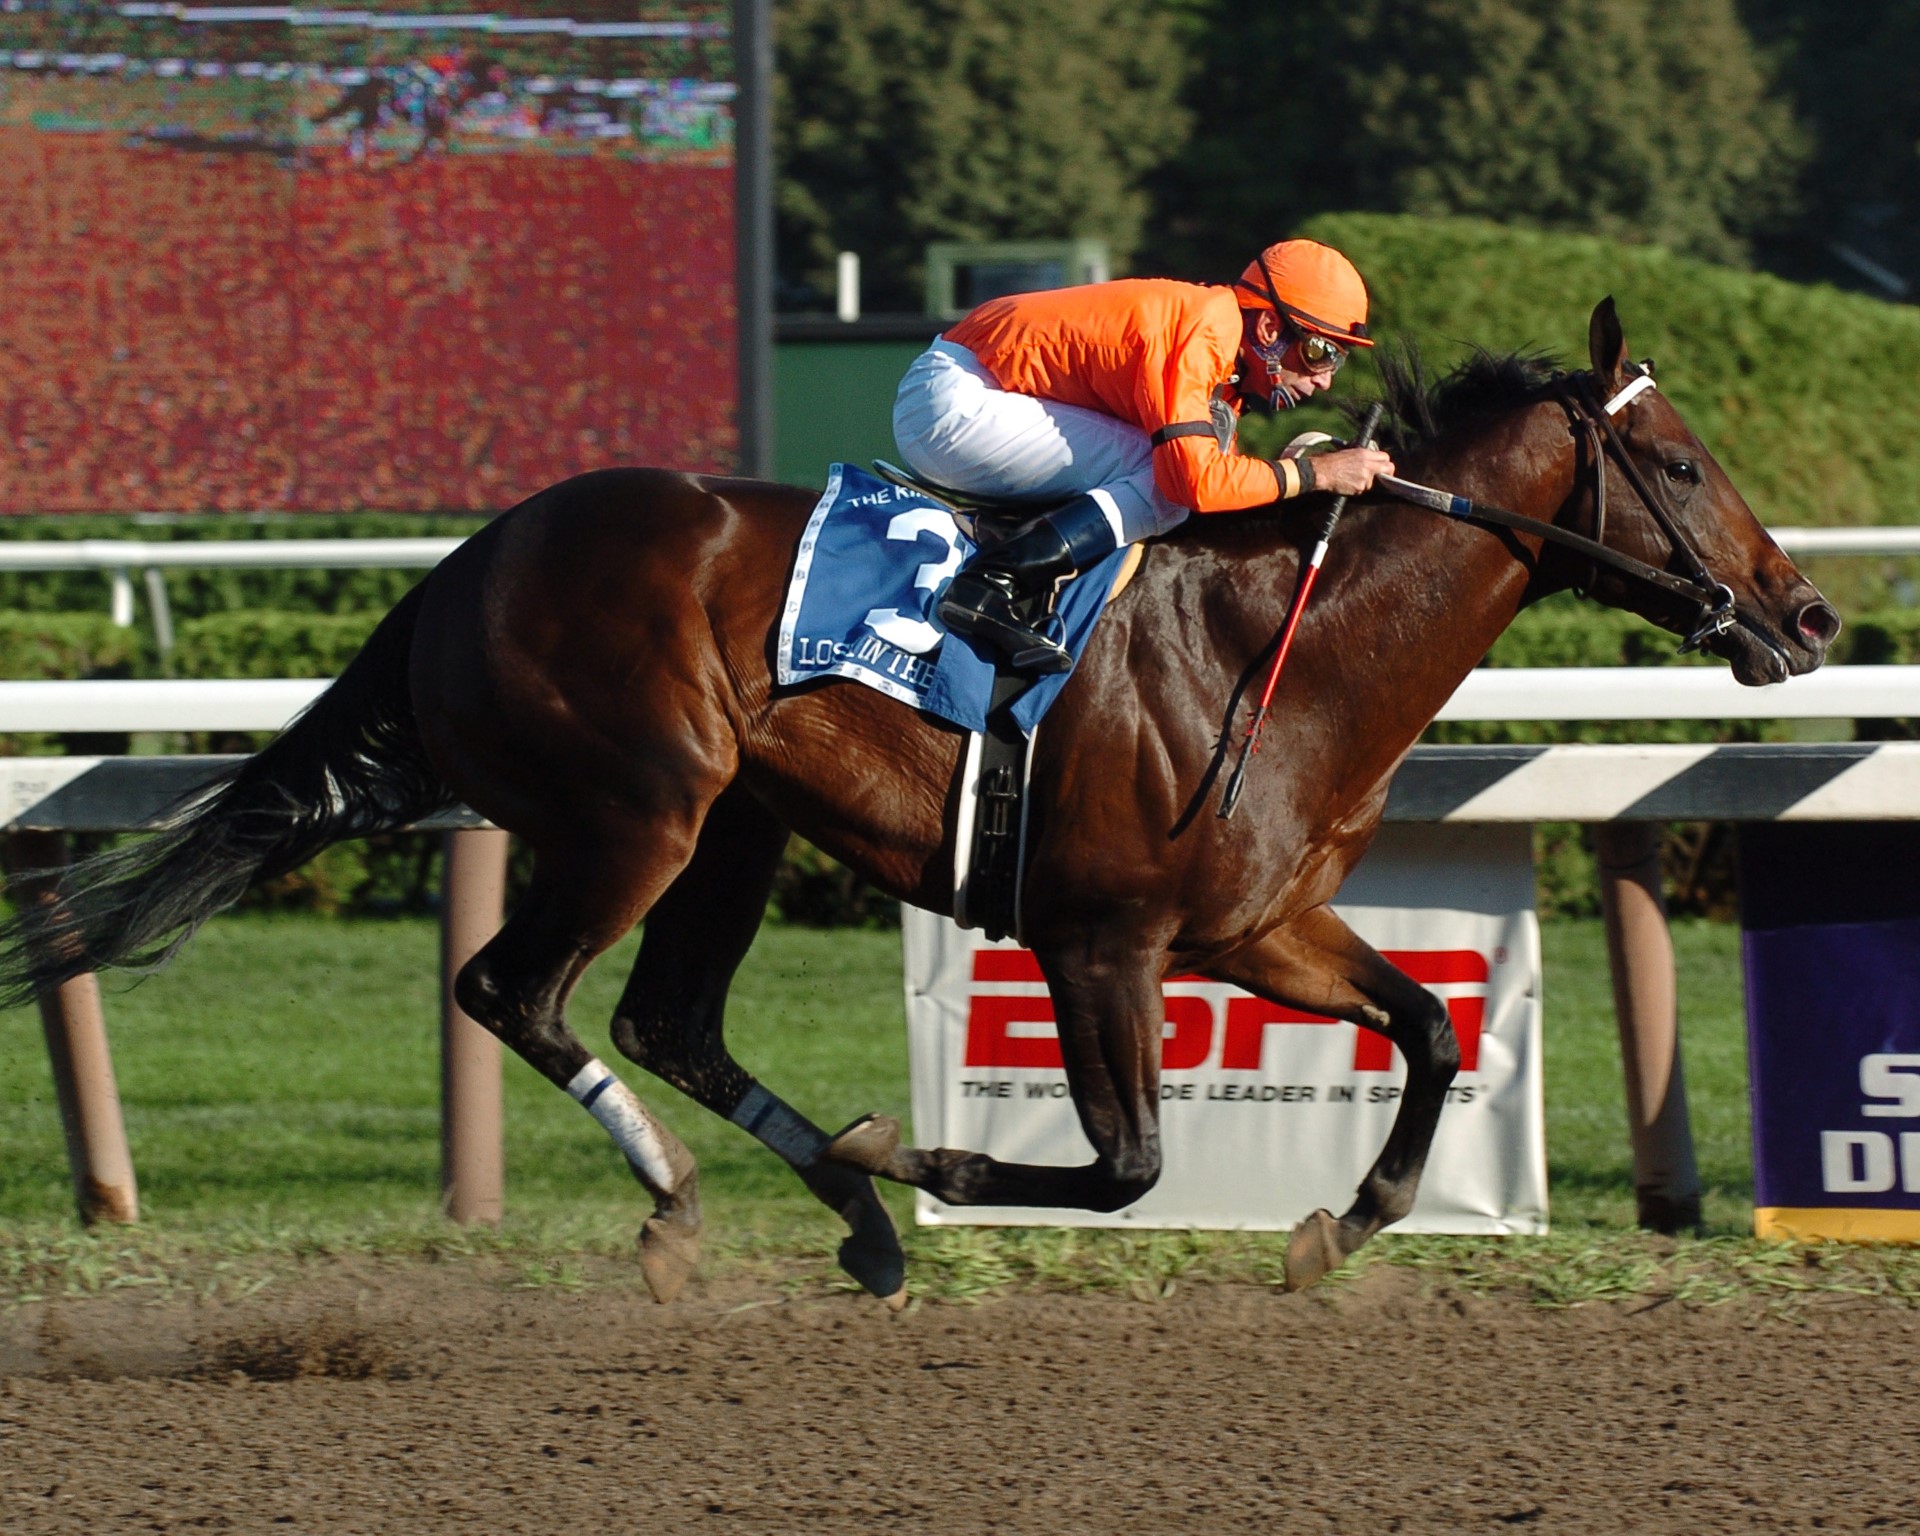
(1625, 396)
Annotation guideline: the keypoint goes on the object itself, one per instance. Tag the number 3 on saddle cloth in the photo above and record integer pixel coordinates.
(871, 565)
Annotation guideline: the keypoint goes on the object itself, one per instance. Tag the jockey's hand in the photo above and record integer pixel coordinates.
(1350, 471)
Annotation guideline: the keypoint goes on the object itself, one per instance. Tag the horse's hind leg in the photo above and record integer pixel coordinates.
(671, 1014)
(583, 897)
(1110, 1014)
(1317, 962)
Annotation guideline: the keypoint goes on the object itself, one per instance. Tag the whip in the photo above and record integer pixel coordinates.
(1308, 573)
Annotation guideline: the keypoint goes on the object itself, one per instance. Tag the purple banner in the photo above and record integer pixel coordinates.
(1832, 955)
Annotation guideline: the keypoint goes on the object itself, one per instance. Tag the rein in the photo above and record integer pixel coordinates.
(1713, 599)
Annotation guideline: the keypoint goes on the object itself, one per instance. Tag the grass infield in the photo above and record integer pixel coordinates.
(281, 1088)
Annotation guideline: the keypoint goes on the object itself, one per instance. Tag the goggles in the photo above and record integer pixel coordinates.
(1318, 354)
(1314, 352)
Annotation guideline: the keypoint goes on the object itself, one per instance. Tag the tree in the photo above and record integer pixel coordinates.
(1851, 70)
(1632, 118)
(903, 121)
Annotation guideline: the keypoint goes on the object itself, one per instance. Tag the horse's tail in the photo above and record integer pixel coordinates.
(351, 765)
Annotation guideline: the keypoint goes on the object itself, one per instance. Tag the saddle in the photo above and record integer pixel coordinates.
(990, 831)
(984, 519)
(994, 519)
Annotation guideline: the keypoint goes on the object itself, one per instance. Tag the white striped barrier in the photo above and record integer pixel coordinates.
(1787, 781)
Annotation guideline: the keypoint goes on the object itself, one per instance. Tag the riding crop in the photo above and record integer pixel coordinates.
(1308, 573)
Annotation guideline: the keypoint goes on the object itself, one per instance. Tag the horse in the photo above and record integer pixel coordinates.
(594, 671)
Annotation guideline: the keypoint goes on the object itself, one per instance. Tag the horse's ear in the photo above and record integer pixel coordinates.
(1607, 346)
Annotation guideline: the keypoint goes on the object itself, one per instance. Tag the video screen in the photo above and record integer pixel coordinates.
(407, 257)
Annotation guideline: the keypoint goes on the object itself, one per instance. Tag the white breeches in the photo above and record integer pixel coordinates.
(957, 427)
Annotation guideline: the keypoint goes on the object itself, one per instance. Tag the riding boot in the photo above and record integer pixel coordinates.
(989, 596)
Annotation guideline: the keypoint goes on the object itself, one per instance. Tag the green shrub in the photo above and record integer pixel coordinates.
(1810, 440)
(51, 646)
(268, 644)
(1811, 435)
(1890, 637)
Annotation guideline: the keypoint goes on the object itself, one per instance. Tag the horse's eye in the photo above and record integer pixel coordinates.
(1682, 470)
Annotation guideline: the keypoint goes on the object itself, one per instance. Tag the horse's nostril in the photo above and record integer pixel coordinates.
(1818, 624)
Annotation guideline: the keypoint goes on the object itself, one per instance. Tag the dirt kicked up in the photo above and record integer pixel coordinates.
(435, 1398)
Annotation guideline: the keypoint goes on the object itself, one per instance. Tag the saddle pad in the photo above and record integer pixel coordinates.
(872, 563)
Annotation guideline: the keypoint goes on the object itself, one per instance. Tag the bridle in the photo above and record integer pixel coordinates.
(1593, 417)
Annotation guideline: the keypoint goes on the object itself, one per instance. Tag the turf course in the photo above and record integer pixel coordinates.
(281, 1087)
(287, 1069)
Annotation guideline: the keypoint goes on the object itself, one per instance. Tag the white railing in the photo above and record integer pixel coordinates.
(1847, 541)
(1489, 693)
(1679, 693)
(120, 558)
(222, 554)
(338, 554)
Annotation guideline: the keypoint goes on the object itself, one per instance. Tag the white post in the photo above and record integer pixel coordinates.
(122, 580)
(161, 610)
(847, 286)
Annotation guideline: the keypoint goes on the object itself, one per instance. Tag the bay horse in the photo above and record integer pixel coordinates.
(594, 671)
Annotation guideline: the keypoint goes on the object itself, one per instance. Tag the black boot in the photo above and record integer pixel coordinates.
(991, 593)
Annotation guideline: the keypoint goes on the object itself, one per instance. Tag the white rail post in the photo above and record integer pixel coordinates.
(75, 1025)
(1666, 1180)
(846, 288)
(472, 1159)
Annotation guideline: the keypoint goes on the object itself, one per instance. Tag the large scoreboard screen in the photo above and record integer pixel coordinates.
(409, 257)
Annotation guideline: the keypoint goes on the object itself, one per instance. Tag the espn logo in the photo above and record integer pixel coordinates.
(1016, 1030)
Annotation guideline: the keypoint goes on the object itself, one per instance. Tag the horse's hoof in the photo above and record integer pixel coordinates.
(868, 1144)
(1313, 1251)
(668, 1254)
(897, 1302)
(880, 1267)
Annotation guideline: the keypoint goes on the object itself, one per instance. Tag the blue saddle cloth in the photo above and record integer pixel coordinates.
(872, 565)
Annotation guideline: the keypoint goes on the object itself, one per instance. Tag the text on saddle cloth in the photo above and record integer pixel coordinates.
(871, 565)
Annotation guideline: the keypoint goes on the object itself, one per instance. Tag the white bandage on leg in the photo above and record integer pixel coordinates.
(633, 1129)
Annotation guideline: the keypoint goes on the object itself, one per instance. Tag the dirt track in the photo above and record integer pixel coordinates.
(431, 1399)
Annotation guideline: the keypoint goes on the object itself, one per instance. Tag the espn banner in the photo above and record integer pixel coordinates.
(1266, 1112)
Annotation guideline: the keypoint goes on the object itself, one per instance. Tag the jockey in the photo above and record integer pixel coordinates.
(1130, 393)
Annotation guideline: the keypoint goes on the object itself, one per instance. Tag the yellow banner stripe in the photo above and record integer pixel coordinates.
(1844, 1224)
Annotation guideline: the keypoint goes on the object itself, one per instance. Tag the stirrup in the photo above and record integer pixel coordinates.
(1025, 648)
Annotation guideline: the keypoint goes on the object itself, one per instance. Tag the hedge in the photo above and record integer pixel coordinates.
(265, 644)
(1804, 393)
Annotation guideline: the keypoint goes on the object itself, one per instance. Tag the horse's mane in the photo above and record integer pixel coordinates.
(1421, 410)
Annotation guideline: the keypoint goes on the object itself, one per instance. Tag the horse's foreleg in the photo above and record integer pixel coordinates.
(671, 1015)
(1318, 963)
(1111, 1017)
(582, 900)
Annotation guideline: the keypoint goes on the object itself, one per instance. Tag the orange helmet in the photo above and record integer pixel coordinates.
(1312, 285)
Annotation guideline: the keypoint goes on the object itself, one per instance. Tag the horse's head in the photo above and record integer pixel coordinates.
(1670, 504)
